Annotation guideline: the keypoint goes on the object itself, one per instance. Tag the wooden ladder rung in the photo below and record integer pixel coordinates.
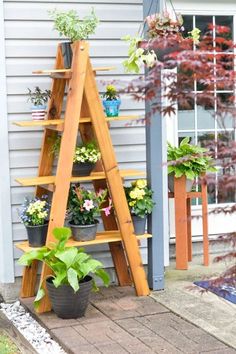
(101, 237)
(59, 122)
(44, 180)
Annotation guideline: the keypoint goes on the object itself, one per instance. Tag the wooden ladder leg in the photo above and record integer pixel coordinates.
(116, 248)
(181, 232)
(65, 161)
(115, 184)
(205, 225)
(189, 228)
(45, 164)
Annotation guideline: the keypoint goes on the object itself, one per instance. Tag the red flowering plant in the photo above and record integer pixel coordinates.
(200, 71)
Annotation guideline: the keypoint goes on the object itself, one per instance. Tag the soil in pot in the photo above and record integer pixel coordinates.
(112, 107)
(139, 224)
(37, 234)
(69, 304)
(189, 183)
(82, 169)
(67, 54)
(84, 232)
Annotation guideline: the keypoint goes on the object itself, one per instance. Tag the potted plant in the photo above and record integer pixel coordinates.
(69, 24)
(85, 158)
(83, 208)
(38, 98)
(147, 50)
(72, 277)
(111, 101)
(34, 215)
(139, 198)
(187, 160)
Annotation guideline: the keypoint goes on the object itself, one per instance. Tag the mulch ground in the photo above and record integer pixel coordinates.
(119, 322)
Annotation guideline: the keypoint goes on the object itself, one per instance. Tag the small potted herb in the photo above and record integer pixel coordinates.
(187, 160)
(73, 278)
(34, 214)
(111, 101)
(69, 25)
(139, 198)
(38, 99)
(83, 208)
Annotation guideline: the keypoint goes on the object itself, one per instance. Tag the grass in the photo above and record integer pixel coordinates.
(7, 346)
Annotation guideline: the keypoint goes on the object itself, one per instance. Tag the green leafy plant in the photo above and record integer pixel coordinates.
(189, 160)
(69, 24)
(111, 93)
(35, 211)
(85, 205)
(139, 198)
(69, 265)
(38, 97)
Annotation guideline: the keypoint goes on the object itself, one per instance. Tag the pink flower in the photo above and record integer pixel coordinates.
(107, 210)
(88, 204)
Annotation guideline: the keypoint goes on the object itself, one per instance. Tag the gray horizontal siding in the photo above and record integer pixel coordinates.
(30, 44)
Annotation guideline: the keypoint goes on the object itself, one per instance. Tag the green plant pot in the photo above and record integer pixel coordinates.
(84, 232)
(69, 304)
(66, 54)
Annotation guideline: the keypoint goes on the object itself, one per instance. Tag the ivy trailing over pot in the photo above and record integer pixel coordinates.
(72, 268)
(69, 25)
(146, 51)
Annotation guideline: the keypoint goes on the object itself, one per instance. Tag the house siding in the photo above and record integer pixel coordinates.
(30, 44)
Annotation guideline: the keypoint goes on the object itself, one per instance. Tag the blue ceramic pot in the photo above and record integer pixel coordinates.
(112, 107)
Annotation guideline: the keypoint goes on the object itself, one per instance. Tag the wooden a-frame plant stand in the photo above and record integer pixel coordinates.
(84, 112)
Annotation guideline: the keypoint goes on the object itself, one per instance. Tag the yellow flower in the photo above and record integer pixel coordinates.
(133, 194)
(140, 193)
(132, 203)
(141, 183)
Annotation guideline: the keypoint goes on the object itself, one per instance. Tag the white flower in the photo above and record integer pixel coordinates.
(88, 204)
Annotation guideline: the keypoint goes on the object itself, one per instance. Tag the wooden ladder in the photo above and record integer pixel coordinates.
(84, 112)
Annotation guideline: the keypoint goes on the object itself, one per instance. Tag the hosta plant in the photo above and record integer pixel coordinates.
(69, 265)
(189, 160)
(139, 198)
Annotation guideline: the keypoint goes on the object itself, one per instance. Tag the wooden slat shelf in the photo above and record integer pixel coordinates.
(48, 122)
(102, 237)
(62, 71)
(43, 180)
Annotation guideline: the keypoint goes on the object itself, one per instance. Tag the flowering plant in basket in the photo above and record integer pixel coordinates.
(155, 46)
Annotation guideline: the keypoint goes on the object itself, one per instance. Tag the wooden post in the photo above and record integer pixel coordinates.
(205, 224)
(189, 228)
(181, 232)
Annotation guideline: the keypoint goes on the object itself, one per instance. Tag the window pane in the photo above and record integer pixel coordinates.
(186, 115)
(203, 22)
(205, 118)
(183, 135)
(188, 24)
(225, 119)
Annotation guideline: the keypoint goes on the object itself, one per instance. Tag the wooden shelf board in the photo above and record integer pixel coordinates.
(48, 122)
(43, 180)
(102, 237)
(62, 71)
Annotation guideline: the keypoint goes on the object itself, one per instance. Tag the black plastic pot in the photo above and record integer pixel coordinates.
(37, 235)
(139, 224)
(84, 232)
(82, 169)
(189, 183)
(67, 54)
(69, 304)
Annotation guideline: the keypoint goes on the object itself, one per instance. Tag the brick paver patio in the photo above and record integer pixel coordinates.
(119, 322)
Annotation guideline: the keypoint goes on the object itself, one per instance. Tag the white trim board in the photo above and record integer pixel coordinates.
(6, 244)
